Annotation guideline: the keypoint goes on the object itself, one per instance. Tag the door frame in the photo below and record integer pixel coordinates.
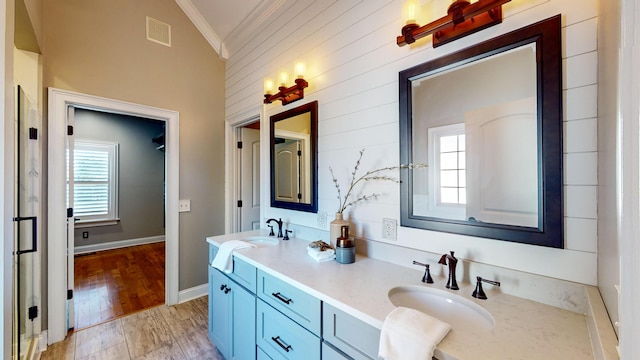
(59, 101)
(232, 166)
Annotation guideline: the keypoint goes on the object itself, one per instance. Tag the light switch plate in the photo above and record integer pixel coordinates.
(389, 229)
(184, 205)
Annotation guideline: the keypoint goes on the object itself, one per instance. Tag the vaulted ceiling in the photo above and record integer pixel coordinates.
(228, 24)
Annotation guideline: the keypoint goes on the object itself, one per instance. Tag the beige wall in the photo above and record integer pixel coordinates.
(100, 48)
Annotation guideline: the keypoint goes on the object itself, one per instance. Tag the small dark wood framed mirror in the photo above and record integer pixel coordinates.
(488, 121)
(294, 153)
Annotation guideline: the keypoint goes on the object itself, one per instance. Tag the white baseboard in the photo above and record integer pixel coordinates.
(117, 244)
(192, 293)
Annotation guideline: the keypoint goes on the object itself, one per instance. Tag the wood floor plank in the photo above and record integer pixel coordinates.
(177, 332)
(113, 283)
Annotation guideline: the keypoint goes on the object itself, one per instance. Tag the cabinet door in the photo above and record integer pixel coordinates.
(243, 323)
(219, 315)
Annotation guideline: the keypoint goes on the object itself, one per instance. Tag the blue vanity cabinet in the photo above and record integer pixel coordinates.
(232, 312)
(349, 338)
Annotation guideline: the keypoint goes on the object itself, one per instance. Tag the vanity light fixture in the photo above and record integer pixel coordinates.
(463, 18)
(286, 94)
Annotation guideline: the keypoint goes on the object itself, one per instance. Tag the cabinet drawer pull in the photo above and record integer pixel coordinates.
(282, 345)
(282, 298)
(225, 288)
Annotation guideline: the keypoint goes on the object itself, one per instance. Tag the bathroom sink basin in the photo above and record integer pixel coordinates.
(460, 313)
(262, 240)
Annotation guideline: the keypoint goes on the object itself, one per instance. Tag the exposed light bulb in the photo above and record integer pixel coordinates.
(300, 69)
(269, 86)
(411, 12)
(283, 78)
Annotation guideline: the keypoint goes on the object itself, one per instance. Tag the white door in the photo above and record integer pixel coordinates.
(502, 163)
(70, 221)
(287, 181)
(250, 179)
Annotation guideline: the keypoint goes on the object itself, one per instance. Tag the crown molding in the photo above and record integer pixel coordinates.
(203, 26)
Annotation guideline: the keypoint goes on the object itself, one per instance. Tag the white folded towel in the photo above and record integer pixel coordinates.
(410, 334)
(321, 256)
(224, 258)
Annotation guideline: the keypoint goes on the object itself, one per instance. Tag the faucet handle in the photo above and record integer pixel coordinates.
(271, 233)
(426, 278)
(286, 234)
(478, 293)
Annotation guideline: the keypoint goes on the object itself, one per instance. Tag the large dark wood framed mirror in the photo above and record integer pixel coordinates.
(488, 121)
(294, 152)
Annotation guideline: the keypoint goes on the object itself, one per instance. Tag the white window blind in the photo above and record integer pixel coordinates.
(95, 189)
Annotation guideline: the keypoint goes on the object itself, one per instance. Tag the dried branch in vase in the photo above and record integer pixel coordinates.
(371, 175)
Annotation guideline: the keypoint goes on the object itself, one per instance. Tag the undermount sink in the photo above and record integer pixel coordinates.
(262, 240)
(460, 313)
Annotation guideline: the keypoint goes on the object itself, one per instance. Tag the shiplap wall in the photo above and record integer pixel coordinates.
(353, 64)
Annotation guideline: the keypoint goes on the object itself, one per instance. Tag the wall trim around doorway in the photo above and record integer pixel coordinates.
(232, 160)
(59, 102)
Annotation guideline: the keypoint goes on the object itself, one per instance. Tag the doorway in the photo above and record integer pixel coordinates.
(118, 183)
(243, 170)
(249, 176)
(61, 229)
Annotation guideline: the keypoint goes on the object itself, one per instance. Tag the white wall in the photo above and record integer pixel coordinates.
(608, 142)
(353, 64)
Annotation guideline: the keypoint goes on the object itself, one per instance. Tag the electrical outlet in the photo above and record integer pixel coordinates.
(389, 229)
(184, 205)
(85, 234)
(322, 219)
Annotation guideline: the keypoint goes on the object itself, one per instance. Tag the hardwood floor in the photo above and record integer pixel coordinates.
(113, 283)
(164, 332)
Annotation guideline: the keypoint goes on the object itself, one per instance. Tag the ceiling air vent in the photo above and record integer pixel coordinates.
(158, 32)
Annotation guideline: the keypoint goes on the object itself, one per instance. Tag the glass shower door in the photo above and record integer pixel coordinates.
(25, 300)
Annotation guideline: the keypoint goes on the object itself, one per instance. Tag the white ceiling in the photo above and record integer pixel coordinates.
(228, 24)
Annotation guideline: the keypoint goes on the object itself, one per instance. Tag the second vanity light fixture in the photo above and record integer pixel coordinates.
(286, 94)
(463, 18)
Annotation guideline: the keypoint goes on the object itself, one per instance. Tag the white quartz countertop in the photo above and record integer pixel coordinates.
(524, 329)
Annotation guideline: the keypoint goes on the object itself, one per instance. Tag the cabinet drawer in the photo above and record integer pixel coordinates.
(295, 303)
(281, 338)
(354, 337)
(243, 273)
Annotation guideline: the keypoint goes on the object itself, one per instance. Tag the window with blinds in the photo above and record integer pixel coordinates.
(95, 181)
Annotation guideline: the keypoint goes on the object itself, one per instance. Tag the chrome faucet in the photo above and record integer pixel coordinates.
(451, 283)
(279, 222)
